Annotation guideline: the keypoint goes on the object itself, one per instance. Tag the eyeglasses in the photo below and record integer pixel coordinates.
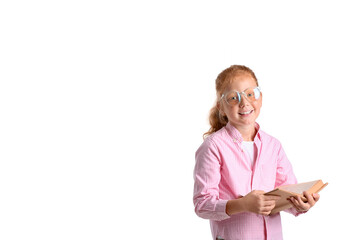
(234, 97)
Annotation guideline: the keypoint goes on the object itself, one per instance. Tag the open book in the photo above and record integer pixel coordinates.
(287, 191)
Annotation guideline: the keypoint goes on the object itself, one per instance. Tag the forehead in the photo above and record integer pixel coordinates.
(240, 82)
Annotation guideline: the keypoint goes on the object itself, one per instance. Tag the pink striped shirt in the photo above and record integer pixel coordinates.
(223, 172)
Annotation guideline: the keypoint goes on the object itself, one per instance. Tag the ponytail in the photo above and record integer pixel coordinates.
(216, 120)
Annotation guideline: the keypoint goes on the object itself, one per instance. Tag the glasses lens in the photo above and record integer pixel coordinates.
(232, 98)
(252, 94)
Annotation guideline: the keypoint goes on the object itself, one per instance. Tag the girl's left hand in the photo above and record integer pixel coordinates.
(305, 206)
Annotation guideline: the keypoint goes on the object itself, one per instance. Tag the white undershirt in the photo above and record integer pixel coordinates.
(248, 147)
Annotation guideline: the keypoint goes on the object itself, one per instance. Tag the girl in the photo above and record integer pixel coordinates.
(238, 162)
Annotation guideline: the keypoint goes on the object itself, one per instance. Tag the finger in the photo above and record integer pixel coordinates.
(296, 204)
(267, 210)
(309, 197)
(316, 197)
(269, 203)
(300, 204)
(292, 202)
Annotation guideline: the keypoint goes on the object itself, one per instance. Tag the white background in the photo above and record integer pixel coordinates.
(103, 105)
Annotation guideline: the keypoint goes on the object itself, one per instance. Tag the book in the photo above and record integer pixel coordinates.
(287, 191)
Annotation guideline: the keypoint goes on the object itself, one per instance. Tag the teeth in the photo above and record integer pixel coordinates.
(243, 113)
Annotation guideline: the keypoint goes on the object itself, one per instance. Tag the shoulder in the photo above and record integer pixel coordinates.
(214, 141)
(217, 138)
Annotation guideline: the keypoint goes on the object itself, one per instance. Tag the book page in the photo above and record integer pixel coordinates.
(298, 188)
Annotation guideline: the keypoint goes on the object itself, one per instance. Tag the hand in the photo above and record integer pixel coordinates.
(302, 206)
(257, 202)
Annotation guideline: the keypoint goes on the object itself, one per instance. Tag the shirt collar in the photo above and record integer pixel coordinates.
(237, 136)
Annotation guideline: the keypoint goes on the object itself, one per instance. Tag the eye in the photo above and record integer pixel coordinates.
(250, 94)
(232, 99)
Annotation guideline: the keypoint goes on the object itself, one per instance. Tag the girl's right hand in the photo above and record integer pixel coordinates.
(257, 202)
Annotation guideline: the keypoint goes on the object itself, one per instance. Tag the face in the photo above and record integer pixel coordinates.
(243, 114)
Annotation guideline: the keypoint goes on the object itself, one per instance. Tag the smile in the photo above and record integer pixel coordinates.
(246, 113)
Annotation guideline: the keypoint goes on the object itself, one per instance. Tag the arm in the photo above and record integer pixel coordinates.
(255, 202)
(207, 177)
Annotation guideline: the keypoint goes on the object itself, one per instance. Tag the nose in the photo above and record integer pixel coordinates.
(243, 101)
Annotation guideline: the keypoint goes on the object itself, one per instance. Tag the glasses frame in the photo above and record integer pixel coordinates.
(239, 94)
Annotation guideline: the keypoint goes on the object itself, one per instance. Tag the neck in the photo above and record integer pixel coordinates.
(248, 133)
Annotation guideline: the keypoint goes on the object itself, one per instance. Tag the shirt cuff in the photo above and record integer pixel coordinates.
(294, 211)
(220, 209)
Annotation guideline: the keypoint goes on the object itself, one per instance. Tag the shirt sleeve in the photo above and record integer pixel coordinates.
(285, 176)
(206, 183)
